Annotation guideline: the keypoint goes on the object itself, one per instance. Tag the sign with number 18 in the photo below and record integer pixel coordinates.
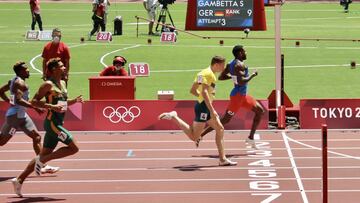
(139, 69)
(168, 37)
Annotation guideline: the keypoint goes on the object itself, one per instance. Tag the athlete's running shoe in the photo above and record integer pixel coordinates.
(227, 162)
(251, 142)
(197, 142)
(167, 115)
(17, 186)
(38, 165)
(49, 169)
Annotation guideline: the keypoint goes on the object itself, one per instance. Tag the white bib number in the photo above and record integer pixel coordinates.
(234, 79)
(62, 136)
(12, 131)
(12, 99)
(203, 116)
(63, 104)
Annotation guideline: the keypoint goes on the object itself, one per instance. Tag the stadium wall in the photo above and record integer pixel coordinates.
(136, 115)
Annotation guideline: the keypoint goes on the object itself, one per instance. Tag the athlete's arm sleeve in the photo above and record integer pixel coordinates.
(201, 79)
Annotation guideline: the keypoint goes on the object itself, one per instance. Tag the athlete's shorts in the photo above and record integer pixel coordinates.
(241, 101)
(54, 134)
(202, 113)
(13, 123)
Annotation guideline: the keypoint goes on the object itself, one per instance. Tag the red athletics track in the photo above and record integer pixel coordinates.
(166, 167)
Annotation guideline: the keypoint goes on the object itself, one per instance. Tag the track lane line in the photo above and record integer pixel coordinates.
(295, 169)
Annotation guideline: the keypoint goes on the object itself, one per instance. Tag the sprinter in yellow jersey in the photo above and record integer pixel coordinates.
(54, 90)
(204, 89)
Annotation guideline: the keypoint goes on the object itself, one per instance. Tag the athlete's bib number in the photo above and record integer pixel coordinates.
(62, 136)
(203, 116)
(12, 99)
(63, 105)
(234, 79)
(12, 131)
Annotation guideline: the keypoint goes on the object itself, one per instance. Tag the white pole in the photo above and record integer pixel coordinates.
(278, 54)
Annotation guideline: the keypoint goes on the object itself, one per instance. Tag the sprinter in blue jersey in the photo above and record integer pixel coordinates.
(239, 73)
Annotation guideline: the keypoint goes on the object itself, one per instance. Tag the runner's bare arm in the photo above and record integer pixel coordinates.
(193, 89)
(240, 72)
(40, 94)
(4, 89)
(75, 100)
(205, 94)
(18, 91)
(224, 75)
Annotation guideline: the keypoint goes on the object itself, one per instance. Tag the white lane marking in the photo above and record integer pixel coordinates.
(166, 192)
(105, 55)
(210, 168)
(295, 169)
(37, 56)
(186, 70)
(172, 149)
(32, 63)
(329, 151)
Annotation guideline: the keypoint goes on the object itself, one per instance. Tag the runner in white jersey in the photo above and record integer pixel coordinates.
(16, 116)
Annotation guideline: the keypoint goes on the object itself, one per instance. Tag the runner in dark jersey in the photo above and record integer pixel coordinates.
(54, 90)
(239, 73)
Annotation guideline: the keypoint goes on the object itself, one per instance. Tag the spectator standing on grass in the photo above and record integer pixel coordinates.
(345, 4)
(98, 18)
(107, 5)
(151, 6)
(117, 69)
(239, 98)
(35, 14)
(56, 49)
(204, 89)
(55, 92)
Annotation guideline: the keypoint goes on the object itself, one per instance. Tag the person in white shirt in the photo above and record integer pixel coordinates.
(151, 6)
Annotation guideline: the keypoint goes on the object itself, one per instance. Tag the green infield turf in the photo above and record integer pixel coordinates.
(315, 69)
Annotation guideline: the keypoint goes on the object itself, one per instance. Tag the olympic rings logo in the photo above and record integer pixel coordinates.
(121, 114)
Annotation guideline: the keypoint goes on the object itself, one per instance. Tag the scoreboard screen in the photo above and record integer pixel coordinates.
(227, 13)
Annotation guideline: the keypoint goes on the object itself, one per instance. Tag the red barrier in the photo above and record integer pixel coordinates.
(112, 87)
(336, 113)
(324, 139)
(138, 115)
(281, 117)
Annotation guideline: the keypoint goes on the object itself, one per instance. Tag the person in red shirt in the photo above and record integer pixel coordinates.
(56, 49)
(35, 14)
(117, 69)
(98, 18)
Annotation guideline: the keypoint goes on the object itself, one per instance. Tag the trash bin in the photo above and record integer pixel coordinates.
(118, 25)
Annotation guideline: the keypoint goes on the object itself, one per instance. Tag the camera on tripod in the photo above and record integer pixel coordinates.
(162, 17)
(166, 2)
